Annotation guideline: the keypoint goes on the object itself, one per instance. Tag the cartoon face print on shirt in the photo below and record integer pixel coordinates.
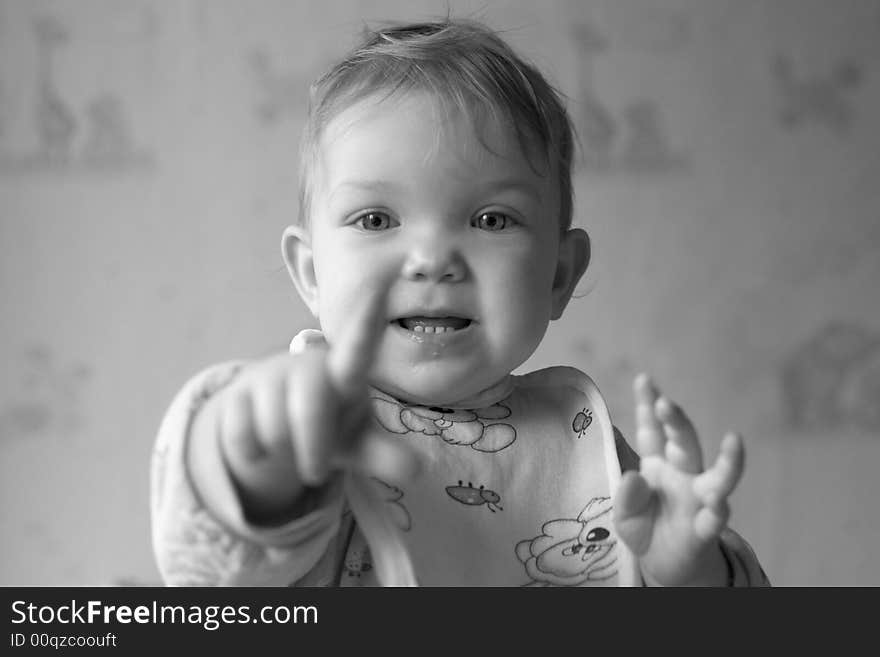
(572, 552)
(478, 429)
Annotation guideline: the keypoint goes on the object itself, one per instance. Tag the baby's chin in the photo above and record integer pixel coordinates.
(424, 389)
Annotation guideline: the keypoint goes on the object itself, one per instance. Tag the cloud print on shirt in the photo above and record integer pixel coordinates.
(478, 429)
(392, 495)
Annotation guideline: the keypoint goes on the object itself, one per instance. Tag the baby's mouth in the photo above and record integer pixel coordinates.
(421, 324)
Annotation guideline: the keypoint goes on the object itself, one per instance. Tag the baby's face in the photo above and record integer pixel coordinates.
(468, 236)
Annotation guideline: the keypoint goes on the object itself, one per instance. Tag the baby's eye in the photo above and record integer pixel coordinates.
(375, 221)
(492, 221)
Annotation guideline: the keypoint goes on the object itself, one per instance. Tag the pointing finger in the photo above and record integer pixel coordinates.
(354, 350)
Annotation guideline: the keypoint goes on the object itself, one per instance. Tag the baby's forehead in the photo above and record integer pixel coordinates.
(423, 126)
(476, 131)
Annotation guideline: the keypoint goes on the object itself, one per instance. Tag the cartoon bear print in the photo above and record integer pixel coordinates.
(478, 428)
(572, 552)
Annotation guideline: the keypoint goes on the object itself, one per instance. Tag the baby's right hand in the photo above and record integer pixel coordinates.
(289, 421)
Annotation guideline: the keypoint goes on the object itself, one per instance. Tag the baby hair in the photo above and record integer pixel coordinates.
(468, 68)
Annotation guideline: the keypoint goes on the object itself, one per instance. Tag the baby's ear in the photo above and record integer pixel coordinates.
(574, 257)
(296, 249)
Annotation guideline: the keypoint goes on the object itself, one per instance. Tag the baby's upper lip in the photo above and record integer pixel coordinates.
(432, 312)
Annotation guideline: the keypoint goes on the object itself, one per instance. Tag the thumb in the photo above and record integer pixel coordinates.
(634, 512)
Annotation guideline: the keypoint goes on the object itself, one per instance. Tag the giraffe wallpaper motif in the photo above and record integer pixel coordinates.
(727, 175)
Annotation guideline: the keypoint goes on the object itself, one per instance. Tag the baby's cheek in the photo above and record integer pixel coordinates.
(332, 320)
(522, 321)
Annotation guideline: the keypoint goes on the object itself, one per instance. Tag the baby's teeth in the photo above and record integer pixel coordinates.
(431, 328)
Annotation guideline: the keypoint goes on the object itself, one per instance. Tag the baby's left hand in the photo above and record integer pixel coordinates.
(671, 512)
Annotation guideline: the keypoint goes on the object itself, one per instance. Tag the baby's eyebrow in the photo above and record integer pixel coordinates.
(516, 185)
(391, 187)
(378, 186)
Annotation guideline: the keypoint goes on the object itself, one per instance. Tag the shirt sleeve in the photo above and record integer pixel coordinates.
(629, 460)
(743, 567)
(198, 546)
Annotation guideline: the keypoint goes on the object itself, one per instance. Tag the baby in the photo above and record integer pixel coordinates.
(395, 446)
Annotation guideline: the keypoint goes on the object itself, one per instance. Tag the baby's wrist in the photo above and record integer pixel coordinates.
(711, 568)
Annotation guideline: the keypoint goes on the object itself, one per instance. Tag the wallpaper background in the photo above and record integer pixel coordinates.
(729, 179)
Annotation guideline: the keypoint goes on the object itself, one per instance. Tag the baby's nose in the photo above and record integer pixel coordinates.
(435, 261)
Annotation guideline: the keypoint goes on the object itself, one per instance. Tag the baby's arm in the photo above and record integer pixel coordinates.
(245, 482)
(197, 544)
(670, 511)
